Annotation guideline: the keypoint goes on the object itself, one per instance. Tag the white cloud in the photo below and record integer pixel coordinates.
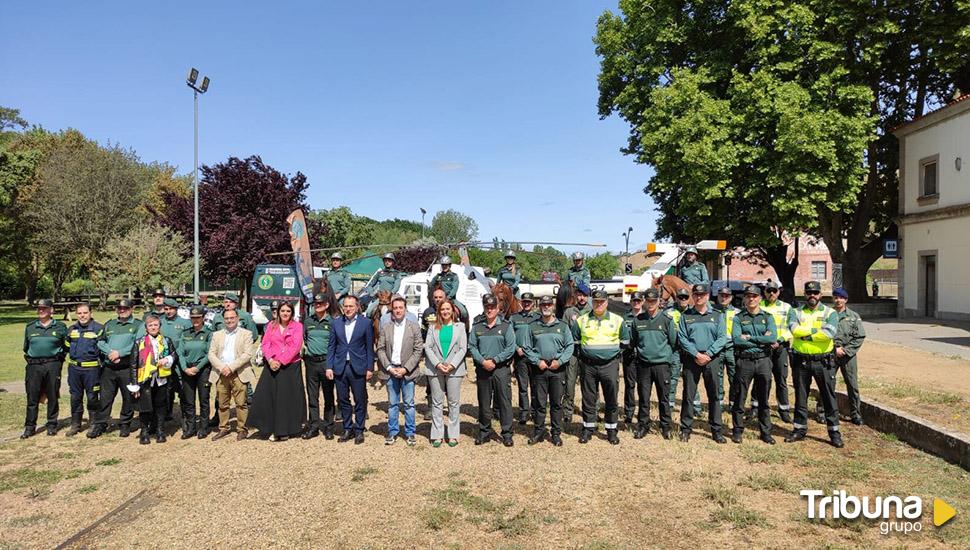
(449, 165)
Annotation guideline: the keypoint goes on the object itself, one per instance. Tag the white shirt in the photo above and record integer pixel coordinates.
(398, 342)
(349, 331)
(229, 347)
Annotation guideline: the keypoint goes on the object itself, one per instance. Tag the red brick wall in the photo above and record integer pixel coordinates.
(808, 252)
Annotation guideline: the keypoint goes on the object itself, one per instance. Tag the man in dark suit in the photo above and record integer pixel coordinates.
(350, 358)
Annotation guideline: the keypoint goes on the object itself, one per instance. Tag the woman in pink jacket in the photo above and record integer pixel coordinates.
(279, 403)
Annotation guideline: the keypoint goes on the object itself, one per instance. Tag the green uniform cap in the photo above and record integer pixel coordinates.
(158, 292)
(489, 300)
(725, 291)
(320, 298)
(528, 297)
(753, 289)
(813, 286)
(600, 295)
(124, 302)
(170, 302)
(546, 300)
(232, 297)
(683, 293)
(638, 295)
(45, 303)
(700, 287)
(197, 311)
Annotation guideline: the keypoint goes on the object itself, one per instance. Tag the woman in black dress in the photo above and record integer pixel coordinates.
(279, 403)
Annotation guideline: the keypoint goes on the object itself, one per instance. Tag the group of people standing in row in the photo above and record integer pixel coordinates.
(150, 361)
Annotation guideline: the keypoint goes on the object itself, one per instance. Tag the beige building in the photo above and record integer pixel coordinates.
(934, 213)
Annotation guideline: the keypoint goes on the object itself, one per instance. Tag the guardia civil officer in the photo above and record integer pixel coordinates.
(693, 272)
(654, 341)
(548, 348)
(754, 333)
(629, 360)
(509, 273)
(158, 305)
(848, 341)
(701, 336)
(446, 278)
(83, 367)
(231, 301)
(119, 354)
(492, 343)
(193, 367)
(45, 343)
(780, 360)
(338, 279)
(171, 327)
(520, 322)
(601, 335)
(680, 304)
(572, 370)
(578, 273)
(724, 298)
(814, 326)
(388, 279)
(316, 337)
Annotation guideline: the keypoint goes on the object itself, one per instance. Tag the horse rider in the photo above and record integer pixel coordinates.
(693, 272)
(338, 279)
(509, 273)
(578, 273)
(388, 279)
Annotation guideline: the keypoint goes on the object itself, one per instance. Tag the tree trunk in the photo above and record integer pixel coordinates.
(777, 257)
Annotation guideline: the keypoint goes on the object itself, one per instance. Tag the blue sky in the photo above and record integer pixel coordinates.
(486, 107)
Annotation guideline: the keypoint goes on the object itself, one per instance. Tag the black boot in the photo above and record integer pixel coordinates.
(202, 429)
(736, 436)
(28, 432)
(75, 425)
(718, 437)
(612, 437)
(538, 436)
(124, 430)
(160, 433)
(144, 436)
(188, 428)
(96, 431)
(796, 435)
(836, 438)
(585, 435)
(785, 416)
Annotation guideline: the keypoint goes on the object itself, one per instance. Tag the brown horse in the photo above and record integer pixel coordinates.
(383, 306)
(668, 286)
(508, 304)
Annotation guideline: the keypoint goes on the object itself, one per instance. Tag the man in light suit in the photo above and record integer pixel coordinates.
(399, 348)
(229, 354)
(350, 358)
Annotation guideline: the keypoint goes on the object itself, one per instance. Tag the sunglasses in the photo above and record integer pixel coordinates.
(812, 293)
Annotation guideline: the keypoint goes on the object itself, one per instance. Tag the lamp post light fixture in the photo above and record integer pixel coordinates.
(423, 212)
(191, 80)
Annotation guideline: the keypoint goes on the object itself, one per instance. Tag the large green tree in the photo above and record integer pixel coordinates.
(147, 256)
(452, 226)
(765, 118)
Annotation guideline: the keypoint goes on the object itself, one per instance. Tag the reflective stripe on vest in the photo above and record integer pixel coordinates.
(779, 310)
(729, 319)
(600, 333)
(813, 319)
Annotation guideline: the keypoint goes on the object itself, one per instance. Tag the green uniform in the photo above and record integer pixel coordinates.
(316, 334)
(729, 360)
(654, 345)
(316, 339)
(578, 275)
(498, 344)
(849, 337)
(245, 321)
(510, 278)
(676, 368)
(753, 355)
(547, 342)
(158, 314)
(44, 351)
(569, 316)
(192, 347)
(192, 350)
(448, 282)
(695, 273)
(386, 279)
(702, 333)
(780, 359)
(813, 341)
(629, 373)
(338, 281)
(118, 335)
(520, 323)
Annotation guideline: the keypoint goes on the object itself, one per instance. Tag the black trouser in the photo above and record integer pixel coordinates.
(573, 373)
(494, 385)
(316, 380)
(596, 376)
(547, 387)
(651, 375)
(113, 379)
(522, 379)
(175, 388)
(748, 369)
(693, 373)
(820, 368)
(780, 359)
(152, 405)
(81, 381)
(42, 376)
(630, 378)
(191, 387)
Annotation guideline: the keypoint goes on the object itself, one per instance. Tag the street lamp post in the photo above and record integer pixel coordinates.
(423, 212)
(196, 90)
(626, 246)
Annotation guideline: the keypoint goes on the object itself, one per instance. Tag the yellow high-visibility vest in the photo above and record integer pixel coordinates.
(779, 310)
(820, 343)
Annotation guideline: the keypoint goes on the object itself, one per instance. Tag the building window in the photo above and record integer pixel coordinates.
(818, 271)
(929, 176)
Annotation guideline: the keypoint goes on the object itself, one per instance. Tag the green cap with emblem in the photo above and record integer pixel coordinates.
(813, 286)
(232, 297)
(158, 292)
(651, 294)
(528, 297)
(637, 296)
(683, 293)
(700, 288)
(197, 311)
(489, 300)
(44, 302)
(124, 303)
(753, 289)
(546, 300)
(320, 298)
(336, 256)
(600, 295)
(170, 302)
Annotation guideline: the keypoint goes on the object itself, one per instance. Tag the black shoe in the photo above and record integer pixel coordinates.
(96, 431)
(347, 436)
(684, 436)
(767, 439)
(188, 430)
(214, 421)
(482, 438)
(537, 437)
(718, 438)
(639, 433)
(586, 435)
(507, 441)
(796, 435)
(748, 414)
(203, 430)
(736, 436)
(785, 416)
(28, 432)
(556, 440)
(310, 433)
(74, 430)
(328, 433)
(51, 430)
(836, 438)
(160, 437)
(628, 419)
(612, 437)
(857, 420)
(666, 434)
(144, 438)
(124, 430)
(359, 438)
(523, 419)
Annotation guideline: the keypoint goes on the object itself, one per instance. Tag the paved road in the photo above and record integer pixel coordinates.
(951, 339)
